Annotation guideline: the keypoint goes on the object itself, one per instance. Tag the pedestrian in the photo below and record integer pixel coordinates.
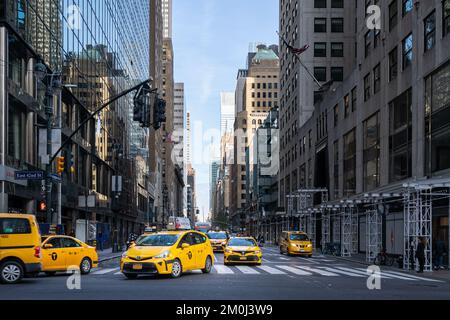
(420, 253)
(440, 251)
(100, 240)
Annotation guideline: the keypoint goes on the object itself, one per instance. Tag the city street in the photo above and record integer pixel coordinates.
(279, 277)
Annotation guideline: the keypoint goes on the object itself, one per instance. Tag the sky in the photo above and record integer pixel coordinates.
(211, 40)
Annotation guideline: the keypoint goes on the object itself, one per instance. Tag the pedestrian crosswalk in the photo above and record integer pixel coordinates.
(292, 270)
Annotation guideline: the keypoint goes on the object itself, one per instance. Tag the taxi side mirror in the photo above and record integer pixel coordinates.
(185, 245)
(48, 246)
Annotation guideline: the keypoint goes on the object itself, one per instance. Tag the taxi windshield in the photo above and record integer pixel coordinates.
(217, 235)
(242, 242)
(299, 237)
(158, 240)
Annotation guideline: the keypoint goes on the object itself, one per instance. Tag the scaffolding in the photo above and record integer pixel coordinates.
(418, 223)
(373, 234)
(336, 228)
(355, 232)
(346, 227)
(325, 224)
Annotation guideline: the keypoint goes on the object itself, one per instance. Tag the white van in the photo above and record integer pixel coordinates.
(179, 223)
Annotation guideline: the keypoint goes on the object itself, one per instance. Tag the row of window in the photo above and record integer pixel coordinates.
(323, 3)
(337, 25)
(265, 85)
(336, 73)
(320, 49)
(264, 95)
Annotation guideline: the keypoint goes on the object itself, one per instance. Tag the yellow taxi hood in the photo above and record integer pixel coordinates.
(142, 251)
(240, 248)
(300, 241)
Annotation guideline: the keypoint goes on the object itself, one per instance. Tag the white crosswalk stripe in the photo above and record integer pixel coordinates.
(223, 269)
(247, 270)
(350, 274)
(363, 271)
(411, 276)
(271, 270)
(321, 272)
(402, 277)
(295, 271)
(105, 271)
(120, 272)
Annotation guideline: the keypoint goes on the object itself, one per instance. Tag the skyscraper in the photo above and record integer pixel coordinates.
(167, 18)
(226, 112)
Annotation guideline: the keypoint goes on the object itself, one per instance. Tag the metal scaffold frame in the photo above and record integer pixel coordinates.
(325, 225)
(373, 234)
(355, 232)
(418, 223)
(336, 228)
(346, 227)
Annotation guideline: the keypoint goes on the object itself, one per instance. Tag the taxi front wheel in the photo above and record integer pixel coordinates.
(208, 265)
(85, 266)
(177, 269)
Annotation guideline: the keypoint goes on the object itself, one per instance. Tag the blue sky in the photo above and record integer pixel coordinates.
(211, 40)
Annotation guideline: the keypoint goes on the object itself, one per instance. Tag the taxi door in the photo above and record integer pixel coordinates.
(74, 252)
(187, 255)
(53, 259)
(199, 250)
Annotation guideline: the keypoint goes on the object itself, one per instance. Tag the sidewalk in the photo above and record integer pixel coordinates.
(107, 254)
(361, 259)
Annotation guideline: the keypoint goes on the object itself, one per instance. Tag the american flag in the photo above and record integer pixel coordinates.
(299, 50)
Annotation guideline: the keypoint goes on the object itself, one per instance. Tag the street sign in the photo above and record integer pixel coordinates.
(55, 177)
(29, 175)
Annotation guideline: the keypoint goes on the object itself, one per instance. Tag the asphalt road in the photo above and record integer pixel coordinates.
(279, 277)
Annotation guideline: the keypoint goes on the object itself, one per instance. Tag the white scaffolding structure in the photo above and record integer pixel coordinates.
(373, 234)
(336, 228)
(346, 227)
(355, 232)
(418, 223)
(325, 224)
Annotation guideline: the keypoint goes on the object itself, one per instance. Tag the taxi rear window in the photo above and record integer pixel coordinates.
(14, 226)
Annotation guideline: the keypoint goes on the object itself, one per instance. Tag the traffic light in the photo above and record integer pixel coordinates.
(159, 113)
(72, 164)
(60, 165)
(42, 206)
(138, 109)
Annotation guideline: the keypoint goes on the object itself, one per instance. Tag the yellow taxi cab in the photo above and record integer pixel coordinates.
(20, 247)
(242, 250)
(218, 239)
(295, 243)
(168, 253)
(59, 253)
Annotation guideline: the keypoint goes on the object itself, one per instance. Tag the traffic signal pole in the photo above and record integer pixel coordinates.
(52, 158)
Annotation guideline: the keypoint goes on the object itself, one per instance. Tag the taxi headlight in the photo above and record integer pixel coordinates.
(310, 245)
(258, 252)
(163, 255)
(124, 255)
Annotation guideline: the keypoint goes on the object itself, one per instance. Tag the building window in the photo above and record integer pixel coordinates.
(376, 78)
(337, 73)
(406, 6)
(346, 106)
(371, 153)
(367, 43)
(336, 115)
(437, 108)
(320, 3)
(354, 99)
(429, 25)
(400, 134)
(337, 49)
(445, 17)
(349, 163)
(337, 25)
(337, 3)
(320, 49)
(320, 73)
(317, 96)
(320, 25)
(393, 13)
(393, 64)
(367, 87)
(407, 53)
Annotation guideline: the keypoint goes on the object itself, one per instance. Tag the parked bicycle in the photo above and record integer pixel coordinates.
(384, 259)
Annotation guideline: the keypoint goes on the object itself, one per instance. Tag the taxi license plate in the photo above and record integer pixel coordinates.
(302, 250)
(137, 266)
(243, 258)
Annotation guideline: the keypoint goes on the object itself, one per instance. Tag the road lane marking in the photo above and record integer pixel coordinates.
(363, 272)
(247, 270)
(117, 273)
(402, 277)
(223, 269)
(105, 271)
(282, 258)
(271, 270)
(321, 272)
(295, 271)
(343, 272)
(413, 277)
